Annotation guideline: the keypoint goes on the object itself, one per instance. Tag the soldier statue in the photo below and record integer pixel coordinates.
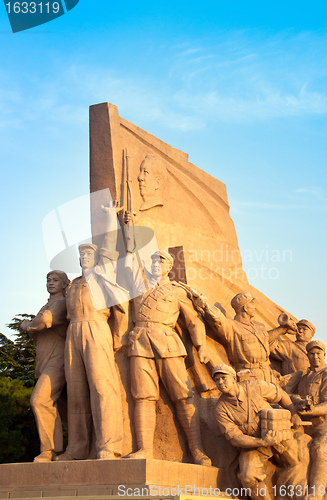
(48, 329)
(238, 414)
(156, 351)
(92, 380)
(311, 403)
(293, 355)
(247, 341)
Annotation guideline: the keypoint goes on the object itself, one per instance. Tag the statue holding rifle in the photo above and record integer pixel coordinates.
(156, 351)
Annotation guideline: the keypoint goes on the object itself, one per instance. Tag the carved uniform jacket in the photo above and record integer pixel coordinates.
(79, 303)
(314, 383)
(92, 379)
(50, 342)
(87, 300)
(293, 355)
(155, 316)
(240, 415)
(247, 344)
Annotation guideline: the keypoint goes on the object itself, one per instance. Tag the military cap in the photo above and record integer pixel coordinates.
(315, 343)
(228, 370)
(87, 245)
(307, 323)
(161, 254)
(241, 299)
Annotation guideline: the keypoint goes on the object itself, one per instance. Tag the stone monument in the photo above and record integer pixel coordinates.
(146, 388)
(188, 213)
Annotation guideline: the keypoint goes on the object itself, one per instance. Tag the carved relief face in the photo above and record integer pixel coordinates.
(148, 182)
(304, 334)
(316, 357)
(250, 308)
(54, 284)
(225, 383)
(160, 268)
(87, 258)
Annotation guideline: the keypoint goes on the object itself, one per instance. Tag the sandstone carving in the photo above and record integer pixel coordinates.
(92, 380)
(142, 342)
(247, 341)
(293, 355)
(48, 329)
(311, 403)
(194, 214)
(246, 419)
(152, 180)
(194, 225)
(156, 351)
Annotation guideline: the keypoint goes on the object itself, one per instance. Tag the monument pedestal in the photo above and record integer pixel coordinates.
(124, 477)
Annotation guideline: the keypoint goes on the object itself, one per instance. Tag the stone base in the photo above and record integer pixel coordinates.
(107, 477)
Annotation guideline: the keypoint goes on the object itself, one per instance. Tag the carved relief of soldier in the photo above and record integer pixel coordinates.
(92, 380)
(246, 418)
(311, 403)
(156, 351)
(48, 329)
(293, 355)
(247, 342)
(76, 345)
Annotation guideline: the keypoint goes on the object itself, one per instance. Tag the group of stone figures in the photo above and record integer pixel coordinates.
(75, 345)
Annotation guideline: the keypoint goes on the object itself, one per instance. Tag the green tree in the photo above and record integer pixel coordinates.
(18, 432)
(17, 357)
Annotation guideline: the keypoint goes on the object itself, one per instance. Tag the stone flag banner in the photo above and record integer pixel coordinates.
(25, 15)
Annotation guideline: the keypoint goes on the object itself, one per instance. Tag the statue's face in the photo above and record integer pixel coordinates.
(54, 284)
(224, 382)
(250, 308)
(160, 268)
(316, 357)
(148, 182)
(304, 334)
(87, 258)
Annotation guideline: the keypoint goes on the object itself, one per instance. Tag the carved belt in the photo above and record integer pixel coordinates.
(136, 333)
(89, 318)
(260, 364)
(151, 324)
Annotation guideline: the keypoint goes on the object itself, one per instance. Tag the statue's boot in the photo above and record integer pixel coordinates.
(65, 457)
(188, 417)
(45, 456)
(145, 424)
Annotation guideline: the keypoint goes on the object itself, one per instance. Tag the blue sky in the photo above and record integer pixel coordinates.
(240, 86)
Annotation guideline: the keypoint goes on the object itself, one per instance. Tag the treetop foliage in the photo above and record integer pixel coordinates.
(17, 357)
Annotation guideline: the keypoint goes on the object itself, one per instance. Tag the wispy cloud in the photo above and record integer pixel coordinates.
(314, 191)
(238, 80)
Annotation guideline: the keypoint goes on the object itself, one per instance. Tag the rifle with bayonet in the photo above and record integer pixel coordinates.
(130, 230)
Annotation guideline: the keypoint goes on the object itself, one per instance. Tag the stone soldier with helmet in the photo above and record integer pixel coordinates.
(247, 341)
(240, 416)
(293, 355)
(311, 403)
